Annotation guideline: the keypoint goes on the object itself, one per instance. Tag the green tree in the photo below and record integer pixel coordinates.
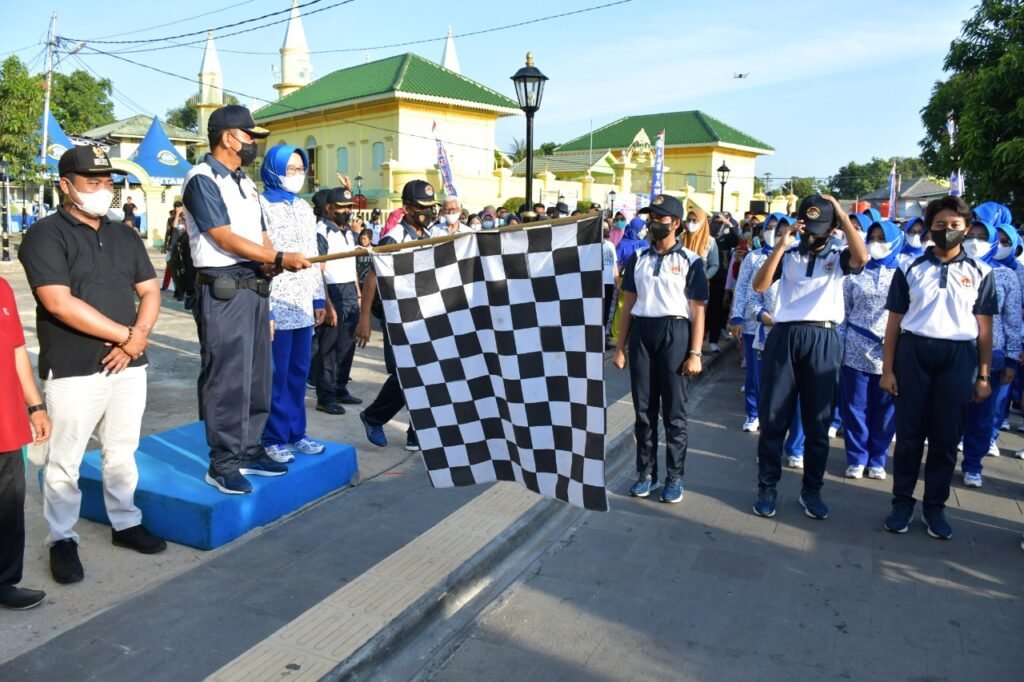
(547, 149)
(21, 104)
(857, 179)
(80, 102)
(802, 187)
(187, 115)
(985, 95)
(518, 150)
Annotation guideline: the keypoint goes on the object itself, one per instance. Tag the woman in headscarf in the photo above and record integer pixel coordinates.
(983, 420)
(695, 235)
(630, 243)
(297, 302)
(868, 412)
(618, 229)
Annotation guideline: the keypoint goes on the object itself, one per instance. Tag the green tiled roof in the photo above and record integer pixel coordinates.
(681, 127)
(406, 73)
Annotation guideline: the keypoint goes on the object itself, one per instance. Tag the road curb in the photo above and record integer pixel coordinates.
(460, 586)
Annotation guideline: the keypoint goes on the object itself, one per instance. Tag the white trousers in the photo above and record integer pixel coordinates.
(111, 407)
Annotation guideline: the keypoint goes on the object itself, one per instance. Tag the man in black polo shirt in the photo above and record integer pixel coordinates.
(85, 272)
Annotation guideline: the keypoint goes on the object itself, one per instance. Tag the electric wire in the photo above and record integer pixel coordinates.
(178, 21)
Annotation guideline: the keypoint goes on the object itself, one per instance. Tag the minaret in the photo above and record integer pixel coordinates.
(449, 59)
(296, 70)
(211, 96)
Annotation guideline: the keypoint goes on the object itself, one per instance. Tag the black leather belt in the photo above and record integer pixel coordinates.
(225, 287)
(823, 325)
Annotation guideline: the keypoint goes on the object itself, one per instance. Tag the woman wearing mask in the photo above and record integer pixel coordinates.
(475, 223)
(869, 414)
(982, 428)
(696, 236)
(618, 230)
(1009, 249)
(913, 241)
(297, 302)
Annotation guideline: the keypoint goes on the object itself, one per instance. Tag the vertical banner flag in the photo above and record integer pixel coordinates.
(443, 167)
(892, 193)
(956, 178)
(498, 342)
(658, 171)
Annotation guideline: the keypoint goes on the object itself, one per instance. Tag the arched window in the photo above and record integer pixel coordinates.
(311, 154)
(342, 160)
(378, 155)
(691, 180)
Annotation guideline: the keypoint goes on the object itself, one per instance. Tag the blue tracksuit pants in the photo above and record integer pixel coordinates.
(869, 418)
(291, 354)
(983, 420)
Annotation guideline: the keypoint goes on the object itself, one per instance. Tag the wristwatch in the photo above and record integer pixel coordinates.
(985, 377)
(36, 408)
(696, 353)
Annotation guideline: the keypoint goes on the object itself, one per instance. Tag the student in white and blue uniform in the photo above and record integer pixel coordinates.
(1011, 247)
(938, 357)
(802, 354)
(742, 321)
(665, 294)
(984, 419)
(869, 415)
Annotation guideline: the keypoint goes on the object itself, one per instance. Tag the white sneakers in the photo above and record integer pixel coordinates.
(1019, 454)
(832, 432)
(279, 453)
(858, 470)
(751, 425)
(1005, 426)
(855, 471)
(795, 462)
(877, 473)
(972, 480)
(993, 450)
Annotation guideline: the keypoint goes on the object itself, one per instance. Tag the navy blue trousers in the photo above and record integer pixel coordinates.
(869, 418)
(799, 363)
(658, 346)
(390, 399)
(935, 378)
(287, 420)
(336, 346)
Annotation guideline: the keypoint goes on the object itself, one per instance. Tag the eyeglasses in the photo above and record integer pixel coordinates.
(295, 170)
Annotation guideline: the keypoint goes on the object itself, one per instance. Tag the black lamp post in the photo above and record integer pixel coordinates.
(529, 91)
(24, 200)
(611, 203)
(4, 166)
(723, 177)
(360, 203)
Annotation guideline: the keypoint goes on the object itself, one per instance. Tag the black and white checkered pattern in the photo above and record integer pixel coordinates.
(499, 343)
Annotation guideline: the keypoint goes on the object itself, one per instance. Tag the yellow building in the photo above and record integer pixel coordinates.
(696, 145)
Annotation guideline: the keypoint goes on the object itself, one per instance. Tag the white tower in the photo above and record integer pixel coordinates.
(449, 59)
(296, 70)
(211, 96)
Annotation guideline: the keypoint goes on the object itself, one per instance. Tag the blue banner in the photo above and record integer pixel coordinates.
(658, 171)
(444, 167)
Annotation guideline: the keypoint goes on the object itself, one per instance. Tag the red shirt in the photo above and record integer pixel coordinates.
(15, 429)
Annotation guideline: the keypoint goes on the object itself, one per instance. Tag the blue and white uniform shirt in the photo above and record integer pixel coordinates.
(811, 284)
(866, 318)
(939, 300)
(758, 303)
(1006, 324)
(665, 284)
(743, 291)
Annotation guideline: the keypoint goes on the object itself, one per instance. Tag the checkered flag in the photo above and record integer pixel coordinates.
(499, 343)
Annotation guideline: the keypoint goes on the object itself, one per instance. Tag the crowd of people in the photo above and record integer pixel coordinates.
(909, 333)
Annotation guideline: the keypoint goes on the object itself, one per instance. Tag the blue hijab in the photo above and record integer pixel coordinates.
(630, 242)
(863, 221)
(781, 220)
(893, 242)
(275, 167)
(993, 240)
(992, 213)
(1015, 244)
(907, 248)
(873, 214)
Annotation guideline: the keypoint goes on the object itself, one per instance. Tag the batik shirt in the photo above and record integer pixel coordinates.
(743, 292)
(1006, 324)
(291, 226)
(758, 303)
(866, 317)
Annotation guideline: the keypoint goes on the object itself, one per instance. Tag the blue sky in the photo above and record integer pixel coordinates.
(828, 83)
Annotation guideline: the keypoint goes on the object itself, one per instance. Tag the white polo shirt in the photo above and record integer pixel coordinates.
(939, 300)
(665, 284)
(333, 239)
(811, 284)
(215, 196)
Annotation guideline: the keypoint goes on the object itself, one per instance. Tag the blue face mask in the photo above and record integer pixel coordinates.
(488, 224)
(621, 224)
(757, 242)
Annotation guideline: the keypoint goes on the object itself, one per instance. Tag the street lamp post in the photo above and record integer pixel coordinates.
(611, 203)
(360, 203)
(4, 166)
(723, 177)
(529, 83)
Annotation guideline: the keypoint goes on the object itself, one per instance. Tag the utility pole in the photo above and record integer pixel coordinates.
(51, 48)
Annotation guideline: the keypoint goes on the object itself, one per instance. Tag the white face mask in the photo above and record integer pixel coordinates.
(976, 248)
(1004, 252)
(95, 203)
(878, 250)
(474, 226)
(451, 218)
(769, 238)
(914, 241)
(293, 183)
(692, 226)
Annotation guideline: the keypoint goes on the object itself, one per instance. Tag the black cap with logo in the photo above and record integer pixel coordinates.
(419, 193)
(235, 116)
(818, 214)
(340, 195)
(663, 204)
(86, 160)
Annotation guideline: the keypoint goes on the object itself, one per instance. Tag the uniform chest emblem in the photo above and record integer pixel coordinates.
(966, 282)
(675, 269)
(829, 267)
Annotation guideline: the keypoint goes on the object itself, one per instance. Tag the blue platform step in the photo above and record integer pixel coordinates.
(177, 504)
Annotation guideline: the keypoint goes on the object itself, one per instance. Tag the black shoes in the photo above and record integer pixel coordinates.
(19, 598)
(139, 539)
(349, 399)
(64, 563)
(330, 408)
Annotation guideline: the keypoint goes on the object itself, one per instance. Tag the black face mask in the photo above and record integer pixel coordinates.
(947, 239)
(815, 242)
(659, 230)
(247, 153)
(341, 217)
(425, 217)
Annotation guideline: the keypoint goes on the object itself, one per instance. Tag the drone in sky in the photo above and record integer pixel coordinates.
(741, 75)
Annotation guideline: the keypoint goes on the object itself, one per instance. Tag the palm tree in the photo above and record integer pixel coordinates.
(518, 151)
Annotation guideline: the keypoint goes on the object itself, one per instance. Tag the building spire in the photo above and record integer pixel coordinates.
(211, 94)
(450, 60)
(296, 70)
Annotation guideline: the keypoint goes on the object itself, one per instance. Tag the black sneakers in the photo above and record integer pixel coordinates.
(64, 563)
(139, 539)
(19, 598)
